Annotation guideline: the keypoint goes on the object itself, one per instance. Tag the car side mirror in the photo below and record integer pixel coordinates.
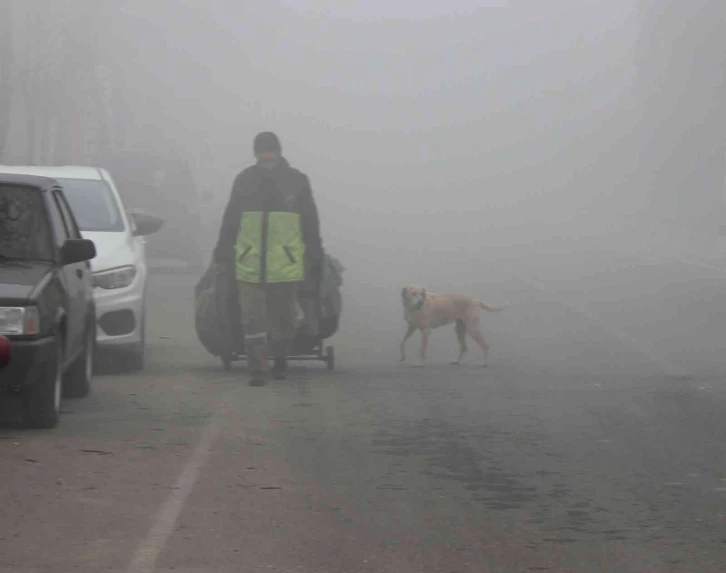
(145, 224)
(77, 251)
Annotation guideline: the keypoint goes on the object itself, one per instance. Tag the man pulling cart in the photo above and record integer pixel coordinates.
(269, 248)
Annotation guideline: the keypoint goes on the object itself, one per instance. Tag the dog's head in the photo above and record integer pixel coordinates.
(413, 297)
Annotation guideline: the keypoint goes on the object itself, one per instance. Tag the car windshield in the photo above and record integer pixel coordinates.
(93, 204)
(24, 230)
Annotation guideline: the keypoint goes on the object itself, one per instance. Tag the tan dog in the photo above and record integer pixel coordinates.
(425, 311)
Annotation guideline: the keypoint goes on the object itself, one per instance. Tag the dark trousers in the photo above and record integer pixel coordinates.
(270, 318)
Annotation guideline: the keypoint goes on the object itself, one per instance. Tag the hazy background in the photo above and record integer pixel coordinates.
(426, 128)
(441, 124)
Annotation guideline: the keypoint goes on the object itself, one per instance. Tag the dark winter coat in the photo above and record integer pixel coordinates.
(282, 189)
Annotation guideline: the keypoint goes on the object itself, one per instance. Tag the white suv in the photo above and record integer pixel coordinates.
(119, 269)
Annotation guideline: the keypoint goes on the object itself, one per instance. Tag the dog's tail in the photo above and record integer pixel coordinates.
(491, 308)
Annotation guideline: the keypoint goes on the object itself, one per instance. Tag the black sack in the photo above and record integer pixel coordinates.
(214, 299)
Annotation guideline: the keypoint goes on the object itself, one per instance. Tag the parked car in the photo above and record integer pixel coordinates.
(119, 270)
(163, 182)
(47, 308)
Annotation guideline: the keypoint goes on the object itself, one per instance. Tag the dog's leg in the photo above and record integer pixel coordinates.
(473, 330)
(425, 333)
(409, 334)
(461, 337)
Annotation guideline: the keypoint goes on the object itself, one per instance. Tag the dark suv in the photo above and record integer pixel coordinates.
(46, 298)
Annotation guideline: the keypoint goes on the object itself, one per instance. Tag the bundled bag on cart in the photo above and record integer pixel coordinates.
(217, 314)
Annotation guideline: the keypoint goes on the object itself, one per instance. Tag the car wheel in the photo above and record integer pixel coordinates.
(77, 381)
(42, 400)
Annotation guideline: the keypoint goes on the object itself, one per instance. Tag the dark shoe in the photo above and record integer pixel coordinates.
(258, 379)
(279, 370)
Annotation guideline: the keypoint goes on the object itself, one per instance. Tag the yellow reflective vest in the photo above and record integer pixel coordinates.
(270, 248)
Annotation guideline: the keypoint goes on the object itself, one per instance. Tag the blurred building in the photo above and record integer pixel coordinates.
(84, 82)
(81, 79)
(51, 98)
(681, 94)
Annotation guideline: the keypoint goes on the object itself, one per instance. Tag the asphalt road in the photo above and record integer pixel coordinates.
(594, 442)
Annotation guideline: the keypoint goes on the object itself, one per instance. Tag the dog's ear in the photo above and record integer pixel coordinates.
(404, 292)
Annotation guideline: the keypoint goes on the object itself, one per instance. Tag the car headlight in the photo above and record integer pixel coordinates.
(19, 321)
(115, 278)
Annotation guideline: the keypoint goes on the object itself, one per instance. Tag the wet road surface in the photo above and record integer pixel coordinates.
(593, 442)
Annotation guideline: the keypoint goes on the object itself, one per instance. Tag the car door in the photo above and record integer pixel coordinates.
(85, 266)
(76, 277)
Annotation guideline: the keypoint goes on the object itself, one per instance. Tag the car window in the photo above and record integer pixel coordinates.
(93, 204)
(68, 221)
(24, 228)
(60, 231)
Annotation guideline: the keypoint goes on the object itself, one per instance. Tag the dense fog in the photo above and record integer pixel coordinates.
(429, 131)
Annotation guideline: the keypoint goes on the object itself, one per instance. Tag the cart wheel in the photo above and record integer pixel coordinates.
(226, 363)
(330, 357)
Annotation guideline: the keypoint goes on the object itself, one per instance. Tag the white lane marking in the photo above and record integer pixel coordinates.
(668, 368)
(144, 560)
